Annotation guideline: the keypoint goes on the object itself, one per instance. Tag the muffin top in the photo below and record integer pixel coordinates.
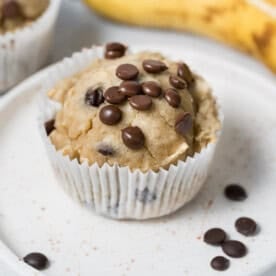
(16, 14)
(140, 110)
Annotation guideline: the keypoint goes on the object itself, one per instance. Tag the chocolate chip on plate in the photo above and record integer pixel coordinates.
(215, 236)
(114, 96)
(183, 123)
(151, 88)
(246, 226)
(154, 66)
(114, 50)
(220, 263)
(178, 83)
(133, 137)
(110, 115)
(140, 102)
(184, 72)
(94, 97)
(130, 88)
(49, 126)
(235, 192)
(11, 9)
(172, 97)
(36, 260)
(127, 72)
(234, 249)
(105, 150)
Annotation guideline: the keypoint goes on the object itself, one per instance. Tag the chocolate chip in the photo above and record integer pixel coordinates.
(94, 97)
(234, 249)
(140, 102)
(246, 226)
(133, 137)
(235, 192)
(114, 50)
(176, 82)
(114, 96)
(183, 123)
(151, 88)
(11, 9)
(49, 126)
(36, 260)
(130, 88)
(184, 72)
(215, 236)
(172, 97)
(127, 72)
(220, 263)
(154, 66)
(105, 150)
(110, 115)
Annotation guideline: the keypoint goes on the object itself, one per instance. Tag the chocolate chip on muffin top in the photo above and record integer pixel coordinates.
(114, 50)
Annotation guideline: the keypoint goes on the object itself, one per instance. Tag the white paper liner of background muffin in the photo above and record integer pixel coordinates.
(115, 191)
(26, 50)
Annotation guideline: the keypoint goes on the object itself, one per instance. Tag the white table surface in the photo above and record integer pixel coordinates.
(77, 27)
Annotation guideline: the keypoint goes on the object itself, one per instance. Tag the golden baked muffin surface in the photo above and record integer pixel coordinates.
(140, 110)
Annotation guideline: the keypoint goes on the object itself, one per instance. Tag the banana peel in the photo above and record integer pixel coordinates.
(238, 23)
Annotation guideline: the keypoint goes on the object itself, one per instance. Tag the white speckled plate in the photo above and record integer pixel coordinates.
(36, 215)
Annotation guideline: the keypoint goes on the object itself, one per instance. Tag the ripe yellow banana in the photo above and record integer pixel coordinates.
(238, 23)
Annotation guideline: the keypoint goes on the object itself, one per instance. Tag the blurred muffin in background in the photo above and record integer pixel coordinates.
(16, 14)
(26, 32)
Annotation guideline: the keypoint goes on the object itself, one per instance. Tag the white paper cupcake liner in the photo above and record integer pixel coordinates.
(26, 50)
(115, 191)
